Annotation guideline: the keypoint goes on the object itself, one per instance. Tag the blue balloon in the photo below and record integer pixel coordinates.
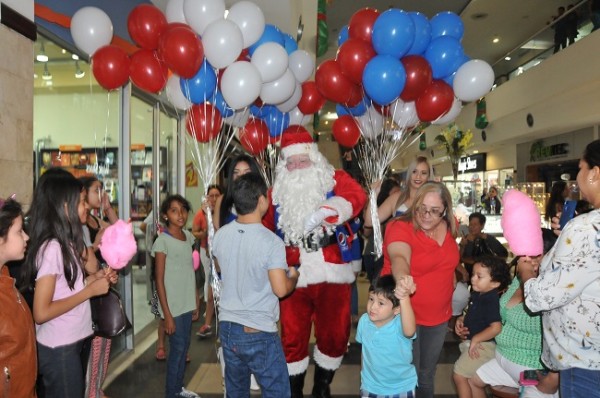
(459, 63)
(343, 36)
(393, 33)
(384, 78)
(277, 121)
(271, 33)
(219, 102)
(447, 23)
(444, 54)
(357, 110)
(422, 33)
(202, 86)
(261, 112)
(289, 43)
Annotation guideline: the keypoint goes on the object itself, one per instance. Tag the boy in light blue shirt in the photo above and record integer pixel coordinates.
(385, 332)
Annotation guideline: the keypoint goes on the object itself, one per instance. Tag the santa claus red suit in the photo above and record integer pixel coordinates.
(309, 202)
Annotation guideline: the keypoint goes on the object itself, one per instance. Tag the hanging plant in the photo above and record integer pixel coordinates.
(455, 142)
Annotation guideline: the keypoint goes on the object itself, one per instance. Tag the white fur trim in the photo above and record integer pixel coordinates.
(327, 362)
(342, 206)
(296, 368)
(314, 269)
(356, 264)
(298, 149)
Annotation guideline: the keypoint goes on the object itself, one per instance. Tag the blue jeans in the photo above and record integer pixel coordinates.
(179, 343)
(62, 369)
(579, 383)
(250, 351)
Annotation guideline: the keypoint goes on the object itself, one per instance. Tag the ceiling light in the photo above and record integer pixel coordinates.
(75, 56)
(63, 51)
(41, 56)
(495, 40)
(46, 75)
(507, 58)
(475, 152)
(78, 72)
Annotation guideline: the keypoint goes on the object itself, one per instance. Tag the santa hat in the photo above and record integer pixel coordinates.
(521, 224)
(296, 140)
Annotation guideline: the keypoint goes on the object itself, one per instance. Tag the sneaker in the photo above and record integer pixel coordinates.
(253, 383)
(187, 394)
(204, 331)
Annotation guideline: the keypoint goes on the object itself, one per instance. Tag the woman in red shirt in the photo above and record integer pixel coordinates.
(421, 243)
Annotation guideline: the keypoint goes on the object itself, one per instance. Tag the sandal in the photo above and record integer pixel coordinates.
(160, 354)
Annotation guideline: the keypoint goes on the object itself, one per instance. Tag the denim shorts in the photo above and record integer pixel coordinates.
(408, 394)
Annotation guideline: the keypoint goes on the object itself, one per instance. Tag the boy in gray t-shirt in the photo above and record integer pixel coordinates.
(255, 276)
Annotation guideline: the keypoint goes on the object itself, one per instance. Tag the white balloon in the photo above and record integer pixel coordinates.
(175, 95)
(279, 90)
(451, 114)
(250, 19)
(404, 113)
(292, 102)
(91, 29)
(174, 11)
(239, 118)
(222, 41)
(299, 118)
(271, 60)
(302, 65)
(473, 80)
(240, 84)
(371, 123)
(200, 13)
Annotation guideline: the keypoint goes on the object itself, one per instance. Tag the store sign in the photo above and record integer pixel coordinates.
(473, 163)
(539, 151)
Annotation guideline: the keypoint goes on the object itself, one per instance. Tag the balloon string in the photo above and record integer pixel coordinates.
(377, 235)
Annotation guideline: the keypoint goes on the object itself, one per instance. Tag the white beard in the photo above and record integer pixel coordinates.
(298, 194)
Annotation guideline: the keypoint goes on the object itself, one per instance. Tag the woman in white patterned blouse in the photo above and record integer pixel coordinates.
(567, 290)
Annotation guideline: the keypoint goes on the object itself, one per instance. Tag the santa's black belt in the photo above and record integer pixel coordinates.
(310, 245)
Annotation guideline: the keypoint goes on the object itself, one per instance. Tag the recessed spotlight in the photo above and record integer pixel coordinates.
(75, 57)
(507, 58)
(475, 151)
(495, 40)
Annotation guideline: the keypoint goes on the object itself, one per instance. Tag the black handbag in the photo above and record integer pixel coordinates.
(108, 315)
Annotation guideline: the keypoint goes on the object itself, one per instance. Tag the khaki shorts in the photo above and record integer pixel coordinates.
(467, 366)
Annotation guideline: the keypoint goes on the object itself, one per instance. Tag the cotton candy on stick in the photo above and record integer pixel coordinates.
(118, 245)
(521, 224)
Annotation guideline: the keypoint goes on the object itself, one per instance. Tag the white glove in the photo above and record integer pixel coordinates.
(316, 219)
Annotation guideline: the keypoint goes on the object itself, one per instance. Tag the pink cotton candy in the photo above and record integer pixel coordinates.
(521, 224)
(196, 259)
(118, 244)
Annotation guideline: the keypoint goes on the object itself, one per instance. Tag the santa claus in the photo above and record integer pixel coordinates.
(312, 205)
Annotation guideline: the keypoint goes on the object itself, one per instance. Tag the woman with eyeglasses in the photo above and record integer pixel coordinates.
(567, 291)
(421, 243)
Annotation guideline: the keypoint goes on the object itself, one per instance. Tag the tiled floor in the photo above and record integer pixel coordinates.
(138, 374)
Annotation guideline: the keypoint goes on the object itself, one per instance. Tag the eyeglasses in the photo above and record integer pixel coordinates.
(433, 212)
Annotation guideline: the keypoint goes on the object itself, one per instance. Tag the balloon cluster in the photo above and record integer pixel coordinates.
(234, 69)
(402, 66)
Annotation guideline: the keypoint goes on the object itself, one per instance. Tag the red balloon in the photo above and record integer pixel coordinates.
(418, 77)
(332, 84)
(345, 131)
(356, 95)
(361, 24)
(147, 71)
(145, 23)
(353, 56)
(311, 101)
(181, 50)
(435, 101)
(110, 66)
(254, 137)
(203, 122)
